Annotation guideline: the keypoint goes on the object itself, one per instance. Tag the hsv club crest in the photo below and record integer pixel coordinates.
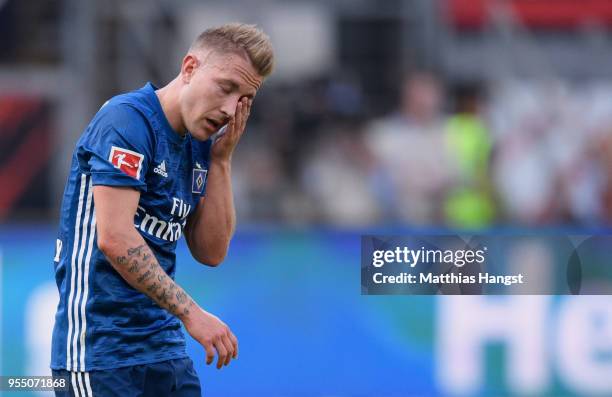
(128, 161)
(197, 183)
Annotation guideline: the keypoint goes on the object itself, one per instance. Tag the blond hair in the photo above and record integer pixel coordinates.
(240, 37)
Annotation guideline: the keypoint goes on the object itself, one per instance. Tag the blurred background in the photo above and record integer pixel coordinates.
(394, 116)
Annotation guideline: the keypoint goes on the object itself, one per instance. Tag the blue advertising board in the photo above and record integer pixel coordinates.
(294, 300)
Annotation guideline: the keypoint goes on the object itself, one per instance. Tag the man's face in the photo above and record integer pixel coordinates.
(213, 84)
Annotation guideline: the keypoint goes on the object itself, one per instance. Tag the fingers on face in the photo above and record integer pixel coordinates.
(244, 109)
(237, 122)
(247, 109)
(240, 114)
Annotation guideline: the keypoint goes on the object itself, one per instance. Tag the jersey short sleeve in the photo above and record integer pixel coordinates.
(117, 148)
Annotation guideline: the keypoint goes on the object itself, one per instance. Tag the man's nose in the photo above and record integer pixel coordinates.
(229, 107)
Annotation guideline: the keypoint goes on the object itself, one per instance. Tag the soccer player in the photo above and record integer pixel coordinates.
(151, 165)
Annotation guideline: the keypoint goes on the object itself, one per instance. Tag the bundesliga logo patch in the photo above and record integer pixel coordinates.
(199, 177)
(128, 161)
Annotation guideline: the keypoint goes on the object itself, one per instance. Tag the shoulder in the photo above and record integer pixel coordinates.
(117, 125)
(121, 115)
(122, 118)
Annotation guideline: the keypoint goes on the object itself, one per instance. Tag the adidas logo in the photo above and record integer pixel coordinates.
(161, 169)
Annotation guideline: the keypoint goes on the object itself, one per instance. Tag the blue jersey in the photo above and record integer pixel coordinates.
(101, 321)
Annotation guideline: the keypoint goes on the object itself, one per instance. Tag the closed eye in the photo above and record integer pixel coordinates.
(230, 86)
(225, 88)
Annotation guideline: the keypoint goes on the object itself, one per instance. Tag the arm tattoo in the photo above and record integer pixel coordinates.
(181, 297)
(146, 275)
(134, 267)
(153, 287)
(135, 250)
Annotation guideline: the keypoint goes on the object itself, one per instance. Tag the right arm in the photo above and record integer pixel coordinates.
(132, 258)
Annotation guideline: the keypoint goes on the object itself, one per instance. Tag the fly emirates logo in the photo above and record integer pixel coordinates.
(169, 230)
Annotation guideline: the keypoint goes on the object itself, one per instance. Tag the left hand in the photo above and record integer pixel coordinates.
(224, 145)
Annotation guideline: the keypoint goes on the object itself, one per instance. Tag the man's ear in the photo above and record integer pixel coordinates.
(188, 67)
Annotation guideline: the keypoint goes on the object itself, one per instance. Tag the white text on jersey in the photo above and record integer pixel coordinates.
(169, 230)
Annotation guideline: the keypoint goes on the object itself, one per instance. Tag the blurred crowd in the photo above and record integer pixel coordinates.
(358, 146)
(526, 153)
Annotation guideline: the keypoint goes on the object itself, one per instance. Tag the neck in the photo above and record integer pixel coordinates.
(168, 98)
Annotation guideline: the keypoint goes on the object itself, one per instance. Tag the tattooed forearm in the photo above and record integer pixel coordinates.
(134, 267)
(136, 250)
(153, 287)
(142, 271)
(181, 297)
(186, 309)
(145, 276)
